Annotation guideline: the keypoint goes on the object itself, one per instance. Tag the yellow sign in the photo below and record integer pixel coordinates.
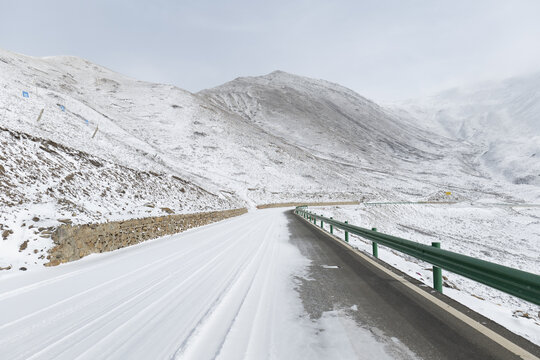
(448, 193)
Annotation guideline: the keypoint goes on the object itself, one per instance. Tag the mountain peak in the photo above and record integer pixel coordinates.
(280, 79)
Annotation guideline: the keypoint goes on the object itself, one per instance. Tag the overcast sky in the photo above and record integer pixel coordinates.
(383, 49)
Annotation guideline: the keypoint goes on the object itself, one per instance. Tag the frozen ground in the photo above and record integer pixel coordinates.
(223, 291)
(502, 234)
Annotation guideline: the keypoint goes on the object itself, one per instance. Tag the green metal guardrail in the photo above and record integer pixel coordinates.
(519, 283)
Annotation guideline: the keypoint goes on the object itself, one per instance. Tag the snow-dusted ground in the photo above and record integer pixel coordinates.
(43, 184)
(224, 291)
(502, 234)
(501, 117)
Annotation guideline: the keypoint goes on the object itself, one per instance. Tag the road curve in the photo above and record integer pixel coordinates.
(263, 285)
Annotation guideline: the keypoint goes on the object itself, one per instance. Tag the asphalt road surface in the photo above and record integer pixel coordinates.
(384, 303)
(264, 285)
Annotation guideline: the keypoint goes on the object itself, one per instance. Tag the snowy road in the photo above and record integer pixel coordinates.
(236, 289)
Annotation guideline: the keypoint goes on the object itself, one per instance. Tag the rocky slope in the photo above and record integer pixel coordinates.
(44, 184)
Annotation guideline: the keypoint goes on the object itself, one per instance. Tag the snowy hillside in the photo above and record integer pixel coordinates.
(324, 118)
(267, 139)
(306, 139)
(156, 128)
(503, 118)
(385, 153)
(55, 167)
(44, 184)
(377, 152)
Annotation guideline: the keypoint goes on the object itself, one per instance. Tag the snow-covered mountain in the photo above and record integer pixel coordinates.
(503, 118)
(157, 128)
(304, 137)
(273, 138)
(381, 152)
(324, 118)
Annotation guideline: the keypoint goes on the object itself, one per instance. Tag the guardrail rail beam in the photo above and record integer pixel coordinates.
(515, 282)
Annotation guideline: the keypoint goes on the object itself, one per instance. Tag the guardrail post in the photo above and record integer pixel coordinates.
(374, 246)
(437, 272)
(331, 227)
(322, 224)
(346, 233)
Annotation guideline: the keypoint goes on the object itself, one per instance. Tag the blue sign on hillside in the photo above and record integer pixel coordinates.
(62, 107)
(86, 121)
(25, 94)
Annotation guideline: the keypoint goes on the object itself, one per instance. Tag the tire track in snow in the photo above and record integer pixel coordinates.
(225, 244)
(253, 333)
(214, 297)
(113, 314)
(89, 316)
(137, 299)
(210, 334)
(20, 290)
(161, 263)
(185, 286)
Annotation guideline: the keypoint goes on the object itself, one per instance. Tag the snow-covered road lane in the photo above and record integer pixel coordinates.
(225, 291)
(143, 302)
(265, 285)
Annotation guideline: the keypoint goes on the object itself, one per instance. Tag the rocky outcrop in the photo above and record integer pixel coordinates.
(74, 242)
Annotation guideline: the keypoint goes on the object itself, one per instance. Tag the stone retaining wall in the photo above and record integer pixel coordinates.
(75, 242)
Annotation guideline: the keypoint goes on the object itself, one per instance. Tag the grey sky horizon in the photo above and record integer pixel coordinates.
(384, 50)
